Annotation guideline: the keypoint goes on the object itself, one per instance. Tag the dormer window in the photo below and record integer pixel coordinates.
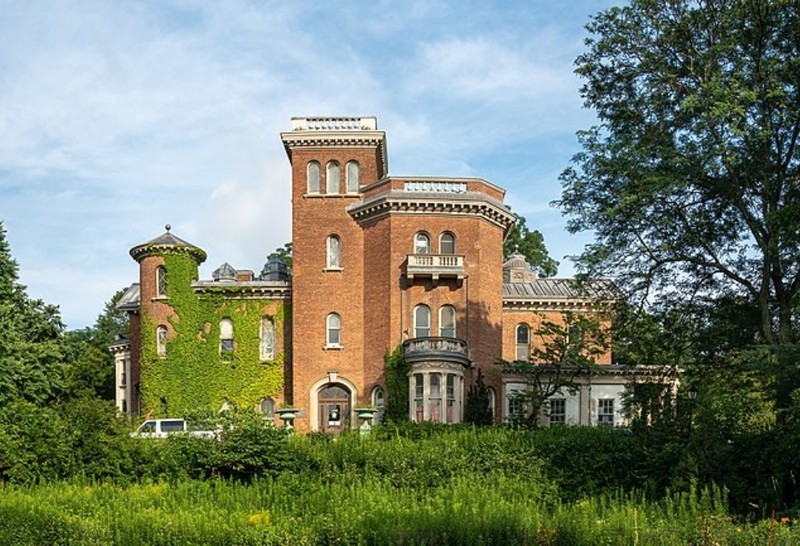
(161, 281)
(353, 174)
(332, 178)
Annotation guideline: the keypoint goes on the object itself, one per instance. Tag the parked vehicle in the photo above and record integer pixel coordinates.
(161, 428)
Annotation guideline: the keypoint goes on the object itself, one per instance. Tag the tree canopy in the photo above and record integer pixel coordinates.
(691, 180)
(531, 245)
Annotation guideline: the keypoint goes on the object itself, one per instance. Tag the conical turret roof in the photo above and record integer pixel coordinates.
(167, 242)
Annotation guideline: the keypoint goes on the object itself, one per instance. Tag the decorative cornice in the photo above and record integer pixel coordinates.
(469, 204)
(337, 139)
(550, 304)
(274, 290)
(142, 251)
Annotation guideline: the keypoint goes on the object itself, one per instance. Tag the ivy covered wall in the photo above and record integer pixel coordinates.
(193, 374)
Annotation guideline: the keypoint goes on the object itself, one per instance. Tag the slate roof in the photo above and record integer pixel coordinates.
(167, 241)
(560, 289)
(129, 301)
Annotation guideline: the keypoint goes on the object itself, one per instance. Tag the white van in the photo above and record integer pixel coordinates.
(161, 428)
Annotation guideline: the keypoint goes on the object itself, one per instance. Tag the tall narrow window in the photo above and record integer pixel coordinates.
(379, 402)
(422, 243)
(267, 339)
(267, 408)
(558, 411)
(419, 398)
(450, 415)
(161, 340)
(334, 252)
(226, 336)
(312, 177)
(447, 243)
(523, 342)
(161, 281)
(447, 321)
(422, 321)
(353, 174)
(332, 178)
(435, 398)
(334, 327)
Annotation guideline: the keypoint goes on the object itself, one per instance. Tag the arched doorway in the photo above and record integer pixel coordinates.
(334, 408)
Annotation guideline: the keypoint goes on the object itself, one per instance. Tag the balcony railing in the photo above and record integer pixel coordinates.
(436, 348)
(435, 266)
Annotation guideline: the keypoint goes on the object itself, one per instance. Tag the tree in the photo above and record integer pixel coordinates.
(690, 182)
(478, 409)
(531, 245)
(566, 351)
(90, 365)
(31, 356)
(284, 254)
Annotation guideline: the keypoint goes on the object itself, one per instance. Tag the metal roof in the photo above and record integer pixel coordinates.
(560, 288)
(129, 301)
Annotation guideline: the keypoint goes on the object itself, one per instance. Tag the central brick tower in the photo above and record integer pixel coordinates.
(331, 160)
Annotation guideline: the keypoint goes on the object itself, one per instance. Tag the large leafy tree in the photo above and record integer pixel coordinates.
(691, 180)
(31, 366)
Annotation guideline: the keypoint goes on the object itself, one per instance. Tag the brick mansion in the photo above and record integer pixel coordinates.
(379, 262)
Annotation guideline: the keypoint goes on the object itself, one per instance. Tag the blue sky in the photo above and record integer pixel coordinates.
(117, 118)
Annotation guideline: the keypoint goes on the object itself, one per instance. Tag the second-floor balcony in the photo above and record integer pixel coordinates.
(436, 349)
(435, 266)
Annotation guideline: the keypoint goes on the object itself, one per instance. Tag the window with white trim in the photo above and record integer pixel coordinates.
(558, 411)
(334, 330)
(447, 321)
(605, 412)
(419, 398)
(447, 243)
(422, 243)
(225, 336)
(353, 173)
(435, 398)
(267, 339)
(422, 321)
(312, 177)
(267, 408)
(450, 411)
(334, 245)
(332, 178)
(161, 281)
(379, 402)
(161, 340)
(523, 342)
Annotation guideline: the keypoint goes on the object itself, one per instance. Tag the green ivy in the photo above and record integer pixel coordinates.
(396, 373)
(193, 374)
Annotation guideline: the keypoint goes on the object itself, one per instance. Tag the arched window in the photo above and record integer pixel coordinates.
(447, 321)
(422, 243)
(447, 243)
(161, 340)
(267, 339)
(161, 281)
(267, 408)
(332, 178)
(226, 336)
(312, 177)
(492, 401)
(422, 321)
(334, 252)
(379, 402)
(353, 174)
(523, 342)
(334, 330)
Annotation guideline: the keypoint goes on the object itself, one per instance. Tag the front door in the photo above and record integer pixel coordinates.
(334, 408)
